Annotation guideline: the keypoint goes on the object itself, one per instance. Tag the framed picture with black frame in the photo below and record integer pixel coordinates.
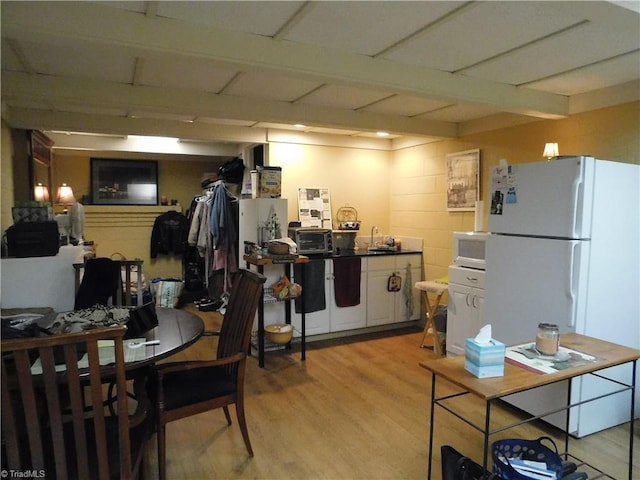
(124, 182)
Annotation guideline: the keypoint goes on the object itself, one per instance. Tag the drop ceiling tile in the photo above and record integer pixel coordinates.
(356, 26)
(342, 96)
(459, 113)
(480, 31)
(80, 60)
(405, 105)
(10, 60)
(187, 73)
(261, 18)
(270, 87)
(555, 55)
(602, 75)
(130, 5)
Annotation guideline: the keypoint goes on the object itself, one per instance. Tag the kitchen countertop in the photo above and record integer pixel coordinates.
(363, 252)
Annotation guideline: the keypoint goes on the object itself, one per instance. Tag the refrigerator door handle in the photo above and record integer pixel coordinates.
(572, 282)
(577, 188)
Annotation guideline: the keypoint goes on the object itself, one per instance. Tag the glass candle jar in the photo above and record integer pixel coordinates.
(548, 339)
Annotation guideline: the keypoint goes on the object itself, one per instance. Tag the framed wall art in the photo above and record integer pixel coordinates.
(124, 182)
(463, 180)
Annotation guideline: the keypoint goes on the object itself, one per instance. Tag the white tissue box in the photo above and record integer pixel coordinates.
(484, 360)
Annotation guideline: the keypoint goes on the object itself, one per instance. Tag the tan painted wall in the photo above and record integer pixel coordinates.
(358, 178)
(418, 187)
(177, 179)
(6, 177)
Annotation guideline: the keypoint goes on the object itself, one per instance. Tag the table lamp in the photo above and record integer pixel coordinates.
(41, 193)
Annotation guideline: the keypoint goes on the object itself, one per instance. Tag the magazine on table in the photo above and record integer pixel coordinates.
(527, 356)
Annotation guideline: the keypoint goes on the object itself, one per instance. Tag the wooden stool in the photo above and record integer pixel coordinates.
(430, 330)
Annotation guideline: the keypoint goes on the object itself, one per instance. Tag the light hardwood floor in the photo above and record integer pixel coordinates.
(352, 410)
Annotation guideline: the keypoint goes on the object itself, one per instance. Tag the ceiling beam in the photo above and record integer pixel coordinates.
(20, 87)
(91, 22)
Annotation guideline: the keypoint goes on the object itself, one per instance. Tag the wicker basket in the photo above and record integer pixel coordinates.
(517, 448)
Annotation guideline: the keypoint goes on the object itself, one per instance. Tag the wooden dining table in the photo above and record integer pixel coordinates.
(176, 330)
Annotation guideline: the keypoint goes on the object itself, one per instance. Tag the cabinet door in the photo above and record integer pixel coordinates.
(348, 318)
(380, 302)
(459, 325)
(464, 316)
(320, 321)
(414, 262)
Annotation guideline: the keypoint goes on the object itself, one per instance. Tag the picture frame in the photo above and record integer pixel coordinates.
(124, 182)
(463, 180)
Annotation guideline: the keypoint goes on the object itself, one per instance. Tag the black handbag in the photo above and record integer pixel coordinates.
(456, 466)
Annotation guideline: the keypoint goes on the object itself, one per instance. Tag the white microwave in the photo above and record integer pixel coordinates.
(469, 249)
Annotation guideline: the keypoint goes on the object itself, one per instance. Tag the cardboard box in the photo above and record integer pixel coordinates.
(484, 361)
(266, 182)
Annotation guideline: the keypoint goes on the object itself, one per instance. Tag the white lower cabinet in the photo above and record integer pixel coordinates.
(334, 318)
(464, 307)
(383, 306)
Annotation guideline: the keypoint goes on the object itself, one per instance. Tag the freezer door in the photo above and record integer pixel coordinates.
(533, 280)
(549, 199)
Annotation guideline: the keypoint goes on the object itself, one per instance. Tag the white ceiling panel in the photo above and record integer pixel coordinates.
(261, 18)
(270, 86)
(80, 60)
(457, 113)
(357, 27)
(560, 53)
(170, 72)
(594, 77)
(342, 96)
(405, 105)
(481, 31)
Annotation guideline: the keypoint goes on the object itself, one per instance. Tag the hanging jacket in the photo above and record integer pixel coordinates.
(169, 234)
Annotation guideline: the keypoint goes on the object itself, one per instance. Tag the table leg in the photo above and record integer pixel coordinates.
(261, 325)
(487, 426)
(431, 418)
(303, 321)
(632, 417)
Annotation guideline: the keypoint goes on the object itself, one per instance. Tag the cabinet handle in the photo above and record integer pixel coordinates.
(472, 279)
(474, 301)
(467, 299)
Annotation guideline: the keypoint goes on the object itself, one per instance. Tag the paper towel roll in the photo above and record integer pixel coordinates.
(479, 218)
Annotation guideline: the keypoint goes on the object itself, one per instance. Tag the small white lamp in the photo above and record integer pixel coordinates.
(550, 151)
(65, 196)
(41, 193)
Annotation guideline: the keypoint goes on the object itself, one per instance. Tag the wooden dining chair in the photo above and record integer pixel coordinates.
(189, 388)
(45, 425)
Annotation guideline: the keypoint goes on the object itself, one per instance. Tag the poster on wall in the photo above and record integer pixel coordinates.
(314, 207)
(463, 180)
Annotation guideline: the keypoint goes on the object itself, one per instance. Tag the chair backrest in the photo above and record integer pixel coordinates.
(101, 281)
(44, 405)
(235, 333)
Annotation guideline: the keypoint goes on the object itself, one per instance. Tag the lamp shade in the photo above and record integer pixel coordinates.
(41, 193)
(550, 150)
(65, 195)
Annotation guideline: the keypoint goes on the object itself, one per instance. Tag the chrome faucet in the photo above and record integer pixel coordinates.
(373, 229)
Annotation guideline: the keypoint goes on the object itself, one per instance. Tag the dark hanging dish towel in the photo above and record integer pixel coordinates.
(313, 286)
(346, 281)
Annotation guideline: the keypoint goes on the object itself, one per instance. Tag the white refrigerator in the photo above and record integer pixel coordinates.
(565, 249)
